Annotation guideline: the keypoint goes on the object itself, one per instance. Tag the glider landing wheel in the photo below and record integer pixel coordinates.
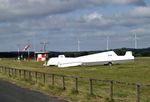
(110, 64)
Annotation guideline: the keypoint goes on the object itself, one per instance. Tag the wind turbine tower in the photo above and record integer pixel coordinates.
(135, 41)
(107, 46)
(78, 45)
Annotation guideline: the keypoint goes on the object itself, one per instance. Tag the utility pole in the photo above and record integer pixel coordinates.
(18, 51)
(34, 47)
(44, 45)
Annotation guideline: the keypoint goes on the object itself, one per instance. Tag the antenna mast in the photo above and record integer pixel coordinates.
(44, 45)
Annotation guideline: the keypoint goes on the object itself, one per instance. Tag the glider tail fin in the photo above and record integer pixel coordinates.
(128, 53)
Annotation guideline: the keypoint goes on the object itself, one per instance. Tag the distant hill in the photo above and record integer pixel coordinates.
(145, 52)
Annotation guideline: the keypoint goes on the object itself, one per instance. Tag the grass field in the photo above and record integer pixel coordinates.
(134, 72)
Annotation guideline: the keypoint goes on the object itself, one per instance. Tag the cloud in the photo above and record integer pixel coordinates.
(126, 2)
(63, 21)
(140, 12)
(143, 30)
(135, 17)
(93, 16)
(19, 9)
(136, 12)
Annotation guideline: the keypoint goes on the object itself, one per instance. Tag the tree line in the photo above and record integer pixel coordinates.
(145, 52)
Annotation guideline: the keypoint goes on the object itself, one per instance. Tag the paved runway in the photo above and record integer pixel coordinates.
(12, 93)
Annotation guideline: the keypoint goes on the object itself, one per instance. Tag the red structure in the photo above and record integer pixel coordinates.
(41, 56)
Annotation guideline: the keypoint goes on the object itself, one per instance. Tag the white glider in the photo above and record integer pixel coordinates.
(109, 57)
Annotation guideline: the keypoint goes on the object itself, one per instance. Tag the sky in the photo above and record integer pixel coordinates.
(74, 25)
